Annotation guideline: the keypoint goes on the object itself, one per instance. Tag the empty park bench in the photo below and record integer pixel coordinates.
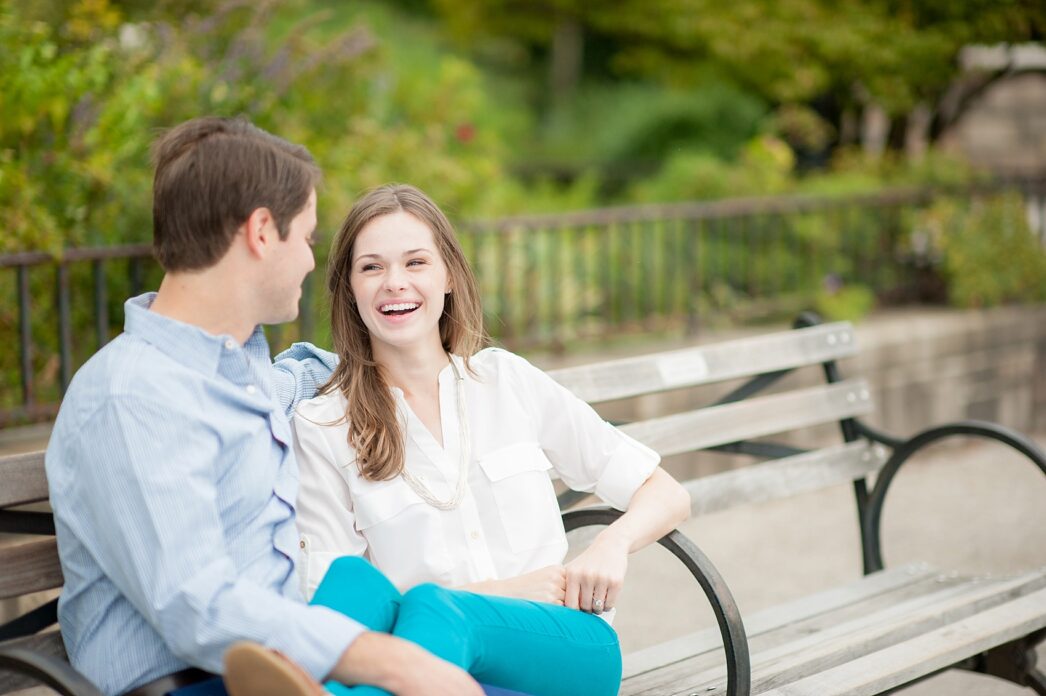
(889, 628)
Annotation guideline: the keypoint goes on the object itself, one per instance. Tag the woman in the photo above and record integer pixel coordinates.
(431, 458)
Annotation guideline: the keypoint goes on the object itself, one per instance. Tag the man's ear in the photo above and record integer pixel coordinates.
(259, 231)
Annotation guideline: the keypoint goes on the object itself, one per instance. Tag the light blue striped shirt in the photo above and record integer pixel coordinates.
(173, 484)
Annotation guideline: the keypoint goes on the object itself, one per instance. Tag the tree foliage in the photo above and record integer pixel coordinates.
(895, 53)
(86, 90)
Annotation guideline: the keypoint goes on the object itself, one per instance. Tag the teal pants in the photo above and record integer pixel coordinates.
(539, 649)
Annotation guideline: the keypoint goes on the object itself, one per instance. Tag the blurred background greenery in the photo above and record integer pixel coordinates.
(519, 108)
(493, 106)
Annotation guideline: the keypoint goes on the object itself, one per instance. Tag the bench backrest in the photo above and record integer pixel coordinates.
(31, 565)
(738, 422)
(742, 420)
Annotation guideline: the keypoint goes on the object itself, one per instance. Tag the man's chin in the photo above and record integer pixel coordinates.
(283, 318)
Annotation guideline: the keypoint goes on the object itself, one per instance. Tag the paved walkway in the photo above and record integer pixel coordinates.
(975, 507)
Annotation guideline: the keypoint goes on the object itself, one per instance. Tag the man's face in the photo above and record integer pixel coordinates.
(288, 266)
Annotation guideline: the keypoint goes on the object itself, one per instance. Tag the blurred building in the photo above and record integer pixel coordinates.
(1001, 107)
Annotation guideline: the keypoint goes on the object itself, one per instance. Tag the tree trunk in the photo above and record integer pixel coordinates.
(565, 59)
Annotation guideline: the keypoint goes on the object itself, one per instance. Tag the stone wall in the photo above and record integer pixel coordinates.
(926, 367)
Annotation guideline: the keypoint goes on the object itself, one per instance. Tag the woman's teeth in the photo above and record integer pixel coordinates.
(399, 308)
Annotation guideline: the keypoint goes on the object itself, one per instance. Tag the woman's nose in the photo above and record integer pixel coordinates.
(395, 279)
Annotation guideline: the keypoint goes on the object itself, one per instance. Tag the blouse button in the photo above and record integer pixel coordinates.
(301, 544)
(474, 534)
(251, 389)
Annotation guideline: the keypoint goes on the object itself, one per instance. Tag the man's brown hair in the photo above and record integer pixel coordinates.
(211, 174)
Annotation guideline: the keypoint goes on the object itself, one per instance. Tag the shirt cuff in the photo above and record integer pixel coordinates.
(318, 639)
(628, 468)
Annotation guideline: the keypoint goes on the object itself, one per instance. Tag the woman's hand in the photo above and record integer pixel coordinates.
(595, 577)
(598, 574)
(546, 584)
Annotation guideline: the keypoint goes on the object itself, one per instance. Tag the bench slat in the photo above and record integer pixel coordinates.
(846, 641)
(24, 479)
(813, 621)
(48, 643)
(926, 654)
(29, 567)
(646, 374)
(878, 584)
(756, 417)
(781, 478)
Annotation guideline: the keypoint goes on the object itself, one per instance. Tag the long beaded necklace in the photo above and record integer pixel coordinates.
(464, 454)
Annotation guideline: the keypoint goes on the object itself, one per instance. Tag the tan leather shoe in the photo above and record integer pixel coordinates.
(254, 670)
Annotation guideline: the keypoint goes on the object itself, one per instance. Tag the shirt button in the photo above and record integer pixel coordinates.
(251, 389)
(474, 534)
(301, 544)
(229, 344)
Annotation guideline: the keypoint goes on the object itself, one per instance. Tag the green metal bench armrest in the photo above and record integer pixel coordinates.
(731, 628)
(873, 514)
(53, 672)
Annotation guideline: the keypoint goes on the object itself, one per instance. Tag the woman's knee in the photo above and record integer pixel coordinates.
(429, 595)
(354, 587)
(433, 605)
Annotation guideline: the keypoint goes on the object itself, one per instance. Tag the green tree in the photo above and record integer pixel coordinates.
(838, 55)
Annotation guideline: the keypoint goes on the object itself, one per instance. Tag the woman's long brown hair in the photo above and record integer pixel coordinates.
(374, 425)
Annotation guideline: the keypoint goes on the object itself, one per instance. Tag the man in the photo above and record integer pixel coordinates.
(170, 470)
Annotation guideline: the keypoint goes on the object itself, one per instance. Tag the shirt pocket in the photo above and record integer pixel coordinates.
(524, 495)
(405, 538)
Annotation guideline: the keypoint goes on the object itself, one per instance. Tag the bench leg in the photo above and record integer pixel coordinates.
(1015, 662)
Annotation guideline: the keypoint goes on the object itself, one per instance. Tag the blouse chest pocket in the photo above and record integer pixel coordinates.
(405, 537)
(524, 495)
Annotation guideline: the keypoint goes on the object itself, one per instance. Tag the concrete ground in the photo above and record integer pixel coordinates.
(973, 507)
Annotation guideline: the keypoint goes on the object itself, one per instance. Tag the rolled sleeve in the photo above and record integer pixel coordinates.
(588, 453)
(317, 639)
(625, 471)
(299, 372)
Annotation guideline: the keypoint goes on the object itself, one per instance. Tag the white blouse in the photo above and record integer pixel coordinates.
(522, 424)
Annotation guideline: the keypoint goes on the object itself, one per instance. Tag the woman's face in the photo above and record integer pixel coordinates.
(399, 281)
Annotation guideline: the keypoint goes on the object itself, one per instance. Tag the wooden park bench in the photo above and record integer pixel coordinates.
(890, 628)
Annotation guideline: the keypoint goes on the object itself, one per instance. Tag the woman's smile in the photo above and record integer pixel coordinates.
(398, 312)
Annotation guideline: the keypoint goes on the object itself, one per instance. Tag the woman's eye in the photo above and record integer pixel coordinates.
(369, 267)
(416, 262)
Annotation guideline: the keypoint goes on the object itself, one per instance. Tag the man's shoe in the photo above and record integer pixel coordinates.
(254, 670)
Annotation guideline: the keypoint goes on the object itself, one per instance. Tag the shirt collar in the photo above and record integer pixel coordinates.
(187, 344)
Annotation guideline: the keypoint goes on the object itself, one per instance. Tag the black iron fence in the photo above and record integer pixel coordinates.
(547, 281)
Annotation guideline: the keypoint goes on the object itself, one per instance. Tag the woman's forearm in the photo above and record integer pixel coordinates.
(657, 507)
